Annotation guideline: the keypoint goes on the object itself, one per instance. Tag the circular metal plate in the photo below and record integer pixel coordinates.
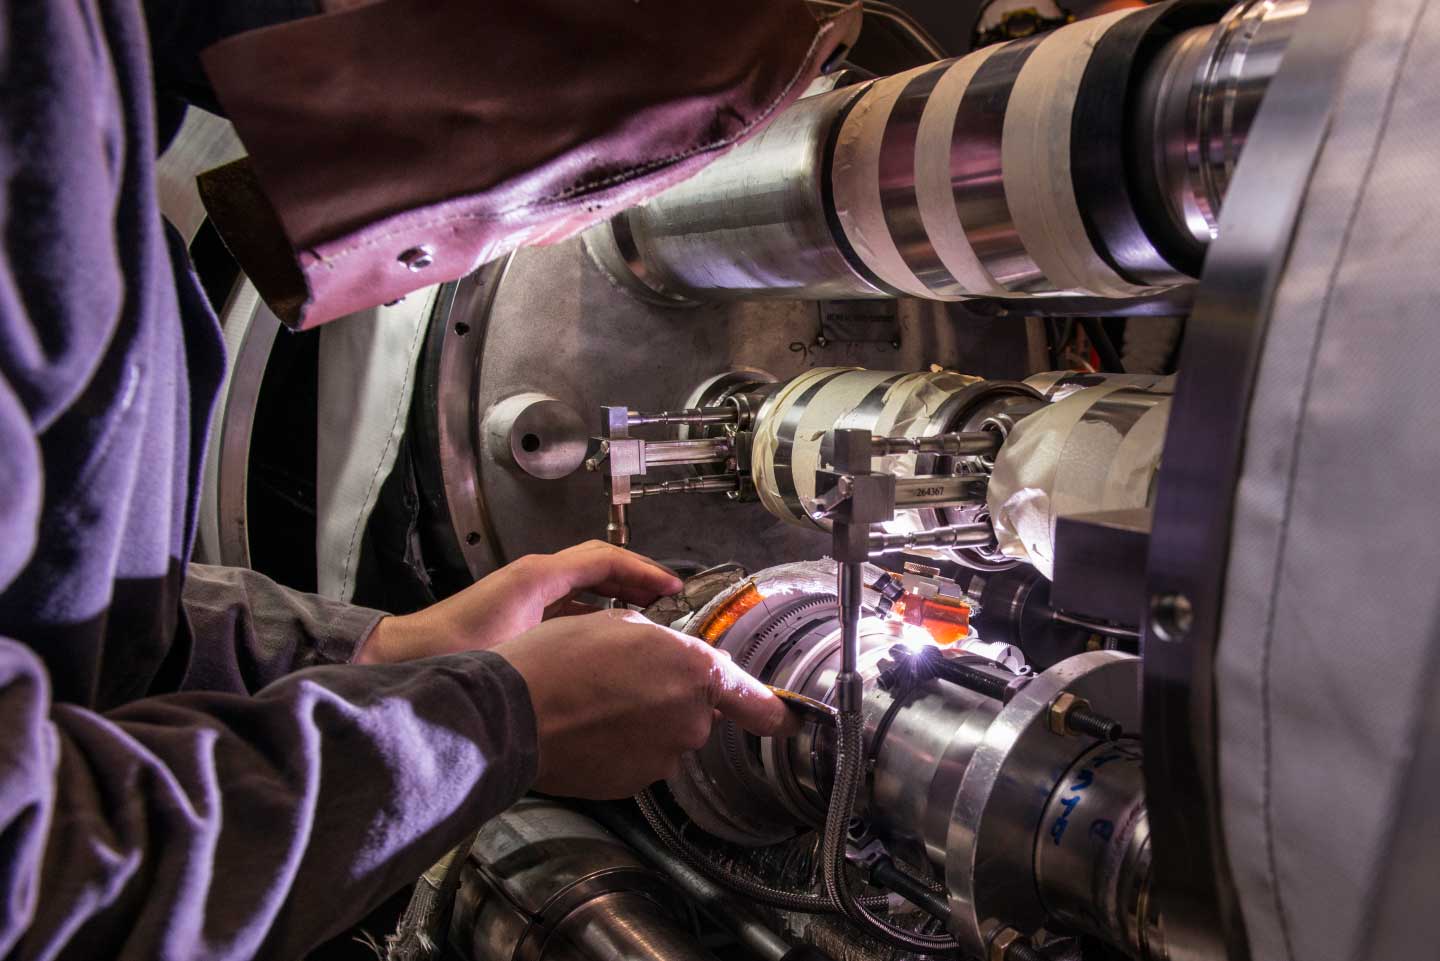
(990, 846)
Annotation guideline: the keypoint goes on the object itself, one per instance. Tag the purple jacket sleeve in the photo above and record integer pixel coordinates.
(250, 631)
(180, 826)
(402, 143)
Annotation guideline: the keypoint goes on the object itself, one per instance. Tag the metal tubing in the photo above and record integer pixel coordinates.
(693, 416)
(959, 444)
(961, 535)
(688, 485)
(708, 450)
(851, 584)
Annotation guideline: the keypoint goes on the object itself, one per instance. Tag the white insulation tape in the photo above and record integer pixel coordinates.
(767, 439)
(933, 190)
(855, 178)
(1035, 157)
(826, 411)
(908, 407)
(1055, 462)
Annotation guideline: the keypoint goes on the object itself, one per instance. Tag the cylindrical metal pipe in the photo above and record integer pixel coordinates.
(693, 416)
(1092, 854)
(754, 223)
(963, 535)
(1203, 92)
(960, 444)
(961, 178)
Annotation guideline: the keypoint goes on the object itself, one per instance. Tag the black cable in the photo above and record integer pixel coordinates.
(888, 875)
(1110, 361)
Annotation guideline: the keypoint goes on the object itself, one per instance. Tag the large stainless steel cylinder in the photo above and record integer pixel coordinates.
(1088, 161)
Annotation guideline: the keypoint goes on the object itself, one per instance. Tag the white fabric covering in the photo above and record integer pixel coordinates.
(367, 368)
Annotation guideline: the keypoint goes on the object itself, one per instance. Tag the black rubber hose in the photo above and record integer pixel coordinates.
(1109, 357)
(912, 889)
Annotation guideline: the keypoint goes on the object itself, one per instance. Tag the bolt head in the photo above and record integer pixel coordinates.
(1171, 616)
(417, 258)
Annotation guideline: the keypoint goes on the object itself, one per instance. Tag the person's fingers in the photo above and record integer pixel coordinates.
(750, 704)
(570, 607)
(609, 571)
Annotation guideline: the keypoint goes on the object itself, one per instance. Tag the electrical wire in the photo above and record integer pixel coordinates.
(1109, 357)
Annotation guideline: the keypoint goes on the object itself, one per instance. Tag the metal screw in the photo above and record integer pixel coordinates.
(417, 258)
(1171, 616)
(1007, 944)
(1069, 714)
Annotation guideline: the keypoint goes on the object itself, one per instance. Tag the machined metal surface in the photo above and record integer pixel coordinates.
(1208, 86)
(793, 427)
(752, 225)
(536, 433)
(917, 183)
(556, 324)
(1000, 806)
(1029, 824)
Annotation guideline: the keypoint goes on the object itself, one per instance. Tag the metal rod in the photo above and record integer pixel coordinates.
(961, 535)
(689, 485)
(659, 453)
(851, 584)
(1099, 627)
(960, 444)
(692, 415)
(935, 490)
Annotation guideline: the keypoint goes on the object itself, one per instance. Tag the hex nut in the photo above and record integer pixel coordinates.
(1058, 714)
(1000, 943)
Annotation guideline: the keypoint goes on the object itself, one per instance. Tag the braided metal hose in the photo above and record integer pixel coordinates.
(666, 830)
(848, 773)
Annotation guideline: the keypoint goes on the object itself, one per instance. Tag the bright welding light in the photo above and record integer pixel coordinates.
(912, 636)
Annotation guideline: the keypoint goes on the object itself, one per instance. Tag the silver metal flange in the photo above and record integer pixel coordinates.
(1012, 773)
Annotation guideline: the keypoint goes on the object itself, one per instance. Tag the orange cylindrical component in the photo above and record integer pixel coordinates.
(724, 617)
(946, 621)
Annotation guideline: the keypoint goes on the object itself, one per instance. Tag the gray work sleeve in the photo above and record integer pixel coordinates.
(250, 631)
(236, 826)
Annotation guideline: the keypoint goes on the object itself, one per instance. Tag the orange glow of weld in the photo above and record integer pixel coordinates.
(724, 617)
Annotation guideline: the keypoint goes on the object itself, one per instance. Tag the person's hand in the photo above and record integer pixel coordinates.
(618, 699)
(516, 598)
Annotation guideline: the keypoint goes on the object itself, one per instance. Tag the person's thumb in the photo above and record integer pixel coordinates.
(750, 704)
